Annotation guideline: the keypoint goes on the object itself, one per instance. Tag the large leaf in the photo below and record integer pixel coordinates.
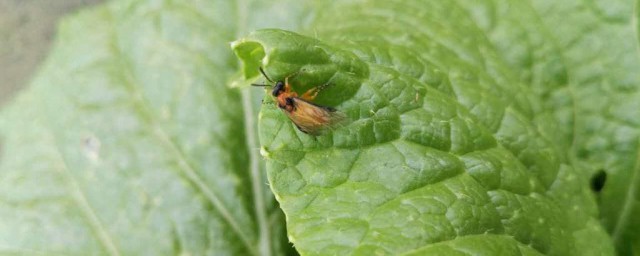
(474, 127)
(471, 147)
(130, 142)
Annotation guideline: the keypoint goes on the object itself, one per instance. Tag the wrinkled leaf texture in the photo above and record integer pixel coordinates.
(474, 128)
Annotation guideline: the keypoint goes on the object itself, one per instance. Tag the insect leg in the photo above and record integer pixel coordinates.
(310, 94)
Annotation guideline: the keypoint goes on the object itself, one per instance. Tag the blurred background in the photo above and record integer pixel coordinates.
(27, 29)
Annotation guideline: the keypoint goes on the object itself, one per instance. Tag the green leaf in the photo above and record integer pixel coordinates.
(606, 63)
(474, 127)
(581, 58)
(470, 148)
(130, 142)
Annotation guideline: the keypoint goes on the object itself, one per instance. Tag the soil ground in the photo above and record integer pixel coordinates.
(27, 28)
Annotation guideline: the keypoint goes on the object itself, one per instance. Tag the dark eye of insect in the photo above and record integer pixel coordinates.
(277, 89)
(290, 102)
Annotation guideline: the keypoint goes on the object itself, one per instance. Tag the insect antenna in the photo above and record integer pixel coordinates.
(265, 75)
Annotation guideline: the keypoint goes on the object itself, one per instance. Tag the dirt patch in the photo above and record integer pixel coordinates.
(27, 28)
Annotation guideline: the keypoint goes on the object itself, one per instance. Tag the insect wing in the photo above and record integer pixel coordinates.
(314, 119)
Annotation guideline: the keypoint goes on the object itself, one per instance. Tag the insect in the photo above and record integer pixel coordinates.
(309, 117)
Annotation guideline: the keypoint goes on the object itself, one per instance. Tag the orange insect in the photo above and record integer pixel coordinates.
(310, 118)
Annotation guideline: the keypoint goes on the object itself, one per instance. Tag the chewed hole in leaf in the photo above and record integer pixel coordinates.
(598, 180)
(252, 53)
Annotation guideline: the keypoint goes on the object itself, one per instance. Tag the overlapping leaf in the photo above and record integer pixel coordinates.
(470, 146)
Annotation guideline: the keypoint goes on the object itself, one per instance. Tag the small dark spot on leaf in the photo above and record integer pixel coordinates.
(91, 147)
(598, 180)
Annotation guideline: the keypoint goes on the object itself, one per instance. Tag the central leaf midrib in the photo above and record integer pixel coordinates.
(126, 69)
(259, 198)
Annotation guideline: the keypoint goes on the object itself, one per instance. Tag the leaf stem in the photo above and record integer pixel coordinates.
(256, 175)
